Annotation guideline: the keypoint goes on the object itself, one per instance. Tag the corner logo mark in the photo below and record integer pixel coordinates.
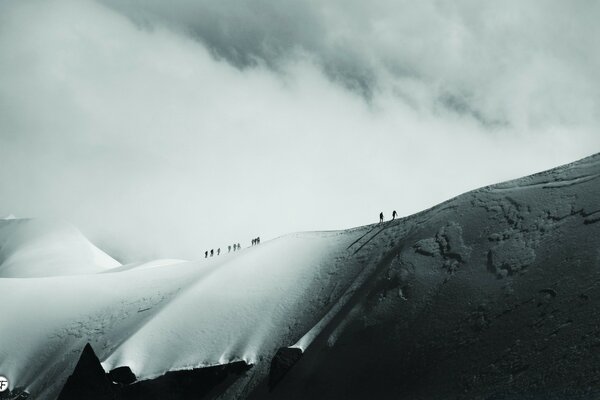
(3, 384)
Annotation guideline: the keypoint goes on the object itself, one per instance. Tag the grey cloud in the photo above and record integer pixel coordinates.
(263, 32)
(466, 50)
(244, 33)
(464, 105)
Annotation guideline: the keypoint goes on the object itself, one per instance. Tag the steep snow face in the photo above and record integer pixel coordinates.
(241, 308)
(493, 294)
(169, 315)
(35, 248)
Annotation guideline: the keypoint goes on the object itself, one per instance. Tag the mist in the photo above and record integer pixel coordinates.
(164, 130)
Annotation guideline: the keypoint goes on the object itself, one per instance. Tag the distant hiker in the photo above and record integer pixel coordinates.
(206, 254)
(212, 252)
(394, 214)
(380, 217)
(253, 240)
(239, 246)
(229, 249)
(258, 240)
(235, 247)
(218, 251)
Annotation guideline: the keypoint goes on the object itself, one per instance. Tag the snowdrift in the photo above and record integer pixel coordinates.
(491, 293)
(36, 248)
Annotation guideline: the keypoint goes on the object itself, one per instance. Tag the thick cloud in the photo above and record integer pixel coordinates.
(524, 63)
(165, 129)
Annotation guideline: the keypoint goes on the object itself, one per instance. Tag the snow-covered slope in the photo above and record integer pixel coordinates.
(494, 294)
(157, 317)
(35, 248)
(380, 310)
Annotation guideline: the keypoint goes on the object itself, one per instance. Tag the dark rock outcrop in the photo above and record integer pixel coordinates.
(187, 384)
(122, 375)
(88, 381)
(282, 362)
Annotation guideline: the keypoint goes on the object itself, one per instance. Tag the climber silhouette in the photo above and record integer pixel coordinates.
(381, 217)
(206, 254)
(394, 214)
(212, 252)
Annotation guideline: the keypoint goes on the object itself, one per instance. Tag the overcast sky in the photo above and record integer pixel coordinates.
(162, 129)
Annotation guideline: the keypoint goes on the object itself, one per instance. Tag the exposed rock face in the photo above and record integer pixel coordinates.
(88, 381)
(492, 295)
(122, 375)
(284, 360)
(191, 384)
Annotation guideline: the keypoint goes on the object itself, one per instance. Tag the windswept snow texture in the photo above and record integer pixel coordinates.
(492, 293)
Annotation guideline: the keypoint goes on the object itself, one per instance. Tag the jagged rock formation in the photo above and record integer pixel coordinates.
(122, 375)
(88, 381)
(196, 383)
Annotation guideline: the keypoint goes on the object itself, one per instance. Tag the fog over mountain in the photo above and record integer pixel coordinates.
(162, 129)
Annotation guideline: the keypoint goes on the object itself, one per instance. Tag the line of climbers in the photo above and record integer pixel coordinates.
(256, 240)
(394, 215)
(235, 247)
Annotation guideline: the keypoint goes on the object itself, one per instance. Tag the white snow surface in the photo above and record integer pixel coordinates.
(36, 248)
(158, 316)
